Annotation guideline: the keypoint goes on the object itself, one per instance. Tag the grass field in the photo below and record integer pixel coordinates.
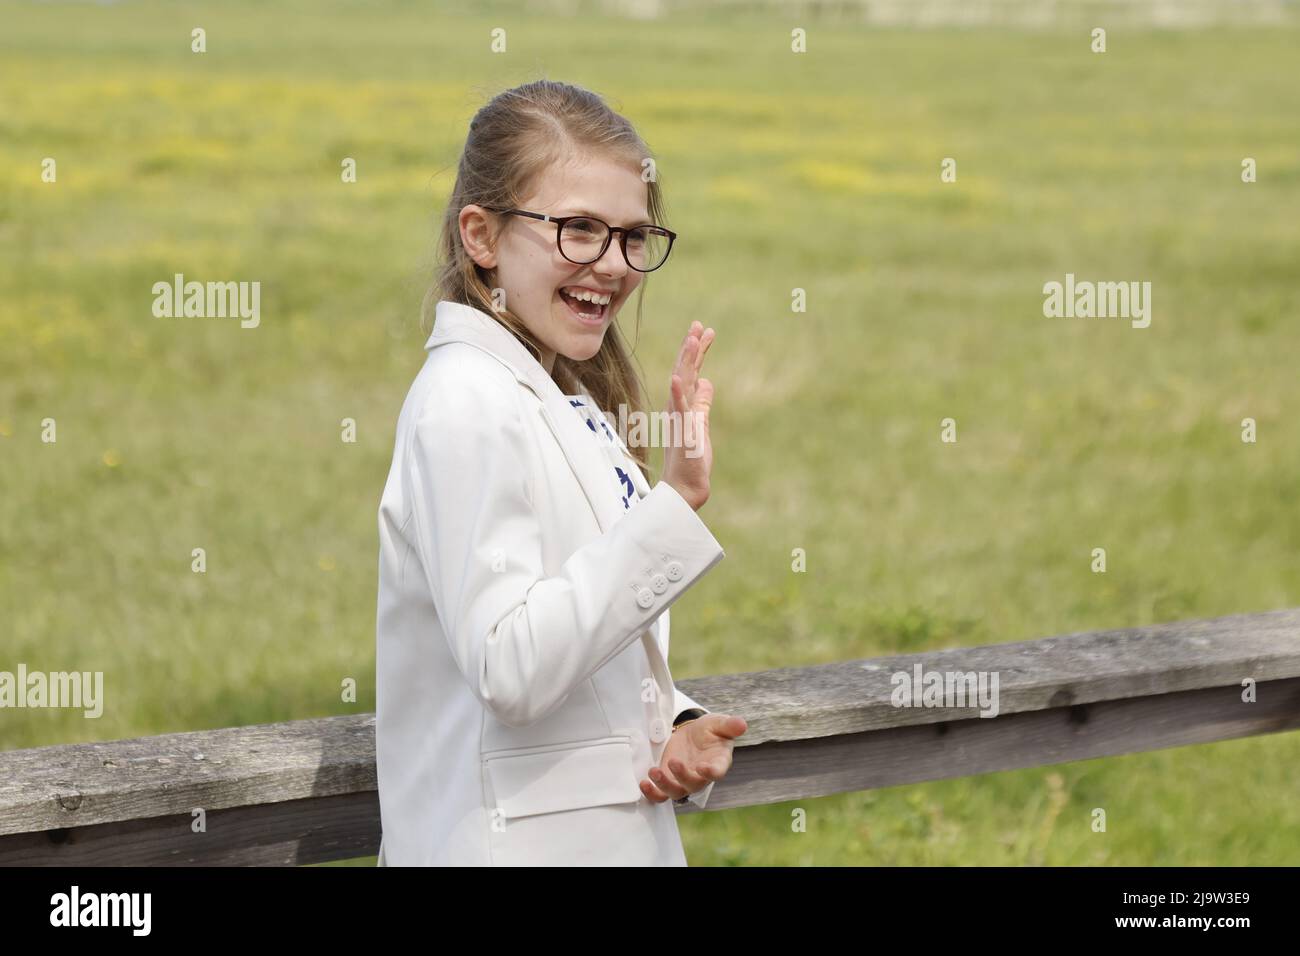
(817, 171)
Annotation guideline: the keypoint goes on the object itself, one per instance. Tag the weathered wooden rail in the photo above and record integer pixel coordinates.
(304, 791)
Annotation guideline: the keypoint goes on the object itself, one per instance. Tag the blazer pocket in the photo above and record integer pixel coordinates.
(568, 776)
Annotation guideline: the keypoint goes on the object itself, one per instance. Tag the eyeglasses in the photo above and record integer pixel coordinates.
(584, 239)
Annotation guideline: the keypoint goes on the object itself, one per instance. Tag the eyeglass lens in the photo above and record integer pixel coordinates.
(581, 241)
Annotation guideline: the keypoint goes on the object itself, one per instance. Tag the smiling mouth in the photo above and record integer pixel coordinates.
(586, 311)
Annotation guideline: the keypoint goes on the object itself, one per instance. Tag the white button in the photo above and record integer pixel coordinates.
(645, 598)
(674, 571)
(659, 583)
(658, 730)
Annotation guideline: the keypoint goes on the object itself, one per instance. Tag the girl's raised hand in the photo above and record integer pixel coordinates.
(688, 457)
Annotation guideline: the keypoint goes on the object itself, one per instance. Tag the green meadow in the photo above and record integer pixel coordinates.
(782, 171)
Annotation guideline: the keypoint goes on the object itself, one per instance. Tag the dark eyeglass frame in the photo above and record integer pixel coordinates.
(560, 222)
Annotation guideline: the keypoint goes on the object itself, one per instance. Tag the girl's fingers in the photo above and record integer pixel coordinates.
(690, 334)
(681, 353)
(678, 394)
(686, 369)
(705, 341)
(667, 783)
(686, 372)
(693, 336)
(690, 355)
(652, 792)
(704, 396)
(692, 780)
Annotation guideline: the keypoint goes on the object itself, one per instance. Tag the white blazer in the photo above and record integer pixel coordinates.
(523, 688)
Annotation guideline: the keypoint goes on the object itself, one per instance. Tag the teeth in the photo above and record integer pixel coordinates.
(587, 296)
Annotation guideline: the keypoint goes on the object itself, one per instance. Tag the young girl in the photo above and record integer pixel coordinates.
(525, 711)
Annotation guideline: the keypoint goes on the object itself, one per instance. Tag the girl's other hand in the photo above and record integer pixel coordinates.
(698, 753)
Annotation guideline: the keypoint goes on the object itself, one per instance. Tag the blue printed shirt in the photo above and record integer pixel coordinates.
(608, 440)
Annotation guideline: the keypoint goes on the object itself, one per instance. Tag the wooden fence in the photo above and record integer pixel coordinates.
(304, 791)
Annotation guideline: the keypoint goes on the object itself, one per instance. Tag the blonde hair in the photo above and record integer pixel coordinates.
(512, 140)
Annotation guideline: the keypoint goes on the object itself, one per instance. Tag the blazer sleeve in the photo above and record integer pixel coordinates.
(682, 703)
(524, 640)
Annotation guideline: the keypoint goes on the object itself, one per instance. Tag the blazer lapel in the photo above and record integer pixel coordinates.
(594, 470)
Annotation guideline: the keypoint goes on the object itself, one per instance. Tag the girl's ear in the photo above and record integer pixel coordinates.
(476, 236)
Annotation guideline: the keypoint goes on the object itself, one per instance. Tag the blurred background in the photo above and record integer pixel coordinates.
(817, 171)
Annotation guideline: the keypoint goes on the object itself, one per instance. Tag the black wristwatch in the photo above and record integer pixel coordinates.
(686, 715)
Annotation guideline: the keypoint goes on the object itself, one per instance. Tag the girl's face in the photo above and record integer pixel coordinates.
(531, 270)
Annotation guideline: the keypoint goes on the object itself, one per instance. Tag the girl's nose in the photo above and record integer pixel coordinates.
(612, 262)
